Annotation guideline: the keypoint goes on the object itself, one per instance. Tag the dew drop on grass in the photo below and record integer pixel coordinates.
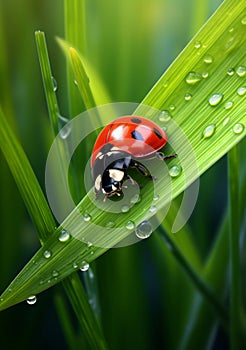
(125, 208)
(87, 217)
(110, 224)
(135, 199)
(209, 131)
(188, 96)
(172, 107)
(215, 99)
(243, 20)
(64, 236)
(84, 266)
(47, 254)
(31, 300)
(75, 265)
(205, 75)
(226, 121)
(238, 128)
(208, 59)
(164, 116)
(175, 171)
(228, 105)
(197, 45)
(64, 127)
(55, 273)
(144, 230)
(193, 78)
(241, 91)
(156, 197)
(153, 209)
(130, 225)
(241, 71)
(231, 72)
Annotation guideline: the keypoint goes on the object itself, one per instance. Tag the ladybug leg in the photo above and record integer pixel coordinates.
(161, 156)
(133, 182)
(141, 168)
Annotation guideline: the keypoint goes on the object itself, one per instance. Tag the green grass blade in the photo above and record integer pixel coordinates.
(26, 180)
(227, 49)
(234, 234)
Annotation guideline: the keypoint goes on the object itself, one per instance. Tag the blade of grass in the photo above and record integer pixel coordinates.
(227, 52)
(234, 234)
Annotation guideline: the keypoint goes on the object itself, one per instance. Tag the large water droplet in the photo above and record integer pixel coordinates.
(241, 71)
(164, 116)
(84, 266)
(215, 99)
(31, 300)
(175, 171)
(193, 78)
(241, 91)
(144, 230)
(130, 225)
(238, 128)
(209, 131)
(64, 236)
(47, 254)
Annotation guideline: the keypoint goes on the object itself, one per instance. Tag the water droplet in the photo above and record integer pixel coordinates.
(188, 96)
(208, 59)
(165, 83)
(130, 225)
(135, 199)
(152, 209)
(226, 121)
(125, 208)
(215, 99)
(164, 116)
(144, 230)
(64, 236)
(55, 273)
(75, 82)
(243, 20)
(54, 84)
(193, 78)
(31, 300)
(87, 217)
(205, 75)
(84, 266)
(209, 131)
(2, 299)
(231, 71)
(110, 224)
(241, 71)
(231, 30)
(197, 45)
(172, 107)
(238, 128)
(75, 265)
(241, 91)
(156, 197)
(47, 254)
(89, 244)
(175, 171)
(228, 105)
(64, 127)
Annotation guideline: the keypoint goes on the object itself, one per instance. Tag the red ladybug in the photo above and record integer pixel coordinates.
(119, 146)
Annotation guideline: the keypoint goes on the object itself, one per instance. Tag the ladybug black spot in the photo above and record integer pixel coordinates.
(136, 121)
(157, 132)
(137, 135)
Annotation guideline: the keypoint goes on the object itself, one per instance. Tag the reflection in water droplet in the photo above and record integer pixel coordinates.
(197, 45)
(84, 266)
(231, 71)
(31, 300)
(47, 254)
(125, 208)
(130, 225)
(228, 105)
(87, 217)
(241, 91)
(188, 96)
(208, 59)
(164, 116)
(205, 75)
(215, 99)
(55, 273)
(144, 230)
(193, 78)
(152, 209)
(172, 107)
(54, 83)
(209, 131)
(64, 236)
(238, 128)
(241, 71)
(175, 171)
(226, 121)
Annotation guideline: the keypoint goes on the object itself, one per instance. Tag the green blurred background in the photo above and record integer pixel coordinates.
(130, 43)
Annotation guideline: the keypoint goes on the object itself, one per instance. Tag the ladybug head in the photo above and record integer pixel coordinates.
(110, 183)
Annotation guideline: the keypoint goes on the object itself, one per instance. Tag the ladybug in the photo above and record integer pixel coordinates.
(119, 146)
